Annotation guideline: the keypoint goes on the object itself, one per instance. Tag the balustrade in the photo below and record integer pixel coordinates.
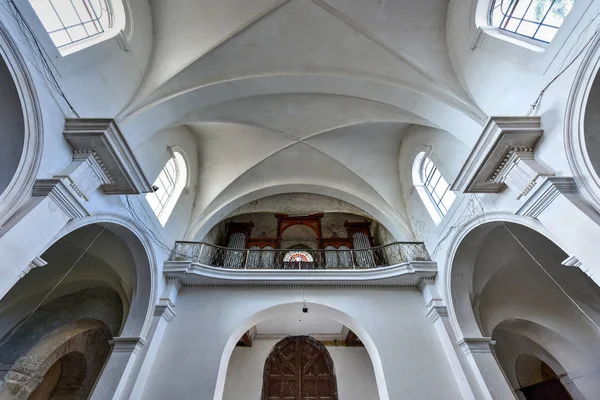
(331, 258)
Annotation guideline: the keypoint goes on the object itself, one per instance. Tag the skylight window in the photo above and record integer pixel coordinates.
(535, 19)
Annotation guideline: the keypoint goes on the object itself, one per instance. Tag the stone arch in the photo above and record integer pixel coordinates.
(22, 113)
(283, 309)
(456, 271)
(527, 294)
(141, 308)
(581, 126)
(81, 344)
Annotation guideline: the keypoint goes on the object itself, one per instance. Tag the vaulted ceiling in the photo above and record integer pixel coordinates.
(300, 95)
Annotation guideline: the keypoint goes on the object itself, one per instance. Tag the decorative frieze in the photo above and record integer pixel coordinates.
(503, 155)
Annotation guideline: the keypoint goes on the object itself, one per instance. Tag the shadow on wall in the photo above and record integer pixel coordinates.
(12, 129)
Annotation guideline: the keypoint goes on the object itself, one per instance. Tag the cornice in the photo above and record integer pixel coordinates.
(59, 191)
(502, 138)
(482, 345)
(408, 274)
(130, 345)
(297, 286)
(546, 193)
(103, 139)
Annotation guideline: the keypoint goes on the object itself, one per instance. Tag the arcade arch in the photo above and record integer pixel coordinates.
(507, 283)
(91, 285)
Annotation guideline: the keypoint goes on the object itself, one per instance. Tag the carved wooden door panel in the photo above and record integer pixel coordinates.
(299, 368)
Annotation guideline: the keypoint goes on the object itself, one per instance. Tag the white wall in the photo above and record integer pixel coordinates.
(353, 370)
(391, 322)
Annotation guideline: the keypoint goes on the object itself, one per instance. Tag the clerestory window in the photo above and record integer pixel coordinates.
(168, 187)
(534, 19)
(76, 24)
(432, 187)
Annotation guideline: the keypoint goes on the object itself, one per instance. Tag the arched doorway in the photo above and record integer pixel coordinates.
(537, 380)
(299, 368)
(508, 286)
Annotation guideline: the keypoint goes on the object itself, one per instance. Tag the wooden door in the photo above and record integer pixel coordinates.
(299, 368)
(551, 389)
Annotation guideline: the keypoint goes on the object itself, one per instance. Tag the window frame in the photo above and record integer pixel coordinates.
(536, 41)
(120, 28)
(424, 172)
(163, 206)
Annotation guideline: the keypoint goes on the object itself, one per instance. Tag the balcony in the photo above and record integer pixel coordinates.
(400, 263)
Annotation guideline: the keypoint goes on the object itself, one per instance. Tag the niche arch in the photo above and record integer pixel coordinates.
(79, 348)
(25, 114)
(284, 309)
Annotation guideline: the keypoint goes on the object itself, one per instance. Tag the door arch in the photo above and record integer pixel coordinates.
(299, 368)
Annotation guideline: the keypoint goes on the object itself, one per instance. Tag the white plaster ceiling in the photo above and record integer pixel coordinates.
(300, 96)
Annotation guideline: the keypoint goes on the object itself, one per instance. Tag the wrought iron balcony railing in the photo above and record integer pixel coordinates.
(374, 257)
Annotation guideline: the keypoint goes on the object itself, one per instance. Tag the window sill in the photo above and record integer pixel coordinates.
(495, 32)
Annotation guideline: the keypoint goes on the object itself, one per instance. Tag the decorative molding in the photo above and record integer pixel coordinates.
(476, 345)
(103, 139)
(405, 274)
(37, 262)
(572, 261)
(59, 191)
(297, 286)
(435, 311)
(166, 309)
(546, 193)
(18, 189)
(503, 155)
(131, 345)
(584, 171)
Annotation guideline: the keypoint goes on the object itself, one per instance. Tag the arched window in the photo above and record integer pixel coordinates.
(168, 187)
(535, 19)
(76, 24)
(433, 189)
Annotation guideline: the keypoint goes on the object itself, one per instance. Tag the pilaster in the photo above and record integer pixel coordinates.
(487, 372)
(437, 313)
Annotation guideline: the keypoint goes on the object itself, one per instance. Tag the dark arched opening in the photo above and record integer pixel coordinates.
(299, 368)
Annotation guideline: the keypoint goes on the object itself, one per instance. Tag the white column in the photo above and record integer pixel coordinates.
(491, 379)
(163, 314)
(117, 370)
(570, 219)
(438, 315)
(26, 236)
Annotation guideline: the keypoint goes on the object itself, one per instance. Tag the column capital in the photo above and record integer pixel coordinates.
(165, 309)
(436, 310)
(62, 194)
(546, 193)
(35, 263)
(124, 344)
(476, 345)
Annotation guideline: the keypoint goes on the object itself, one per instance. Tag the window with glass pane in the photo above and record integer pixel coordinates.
(168, 186)
(535, 19)
(71, 21)
(436, 186)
